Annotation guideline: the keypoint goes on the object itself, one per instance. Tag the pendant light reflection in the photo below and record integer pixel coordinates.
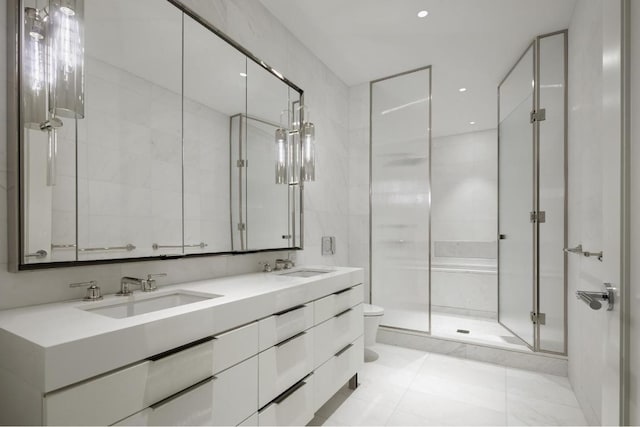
(66, 93)
(35, 66)
(53, 70)
(295, 152)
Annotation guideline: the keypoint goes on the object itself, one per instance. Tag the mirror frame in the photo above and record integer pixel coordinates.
(16, 155)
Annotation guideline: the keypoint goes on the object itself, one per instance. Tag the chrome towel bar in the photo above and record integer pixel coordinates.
(200, 245)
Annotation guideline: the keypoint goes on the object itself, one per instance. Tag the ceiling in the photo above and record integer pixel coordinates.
(469, 43)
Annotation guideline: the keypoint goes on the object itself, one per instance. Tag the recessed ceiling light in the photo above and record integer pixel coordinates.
(462, 89)
(472, 123)
(243, 74)
(422, 14)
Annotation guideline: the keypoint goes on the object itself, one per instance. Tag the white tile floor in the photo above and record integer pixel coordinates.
(411, 387)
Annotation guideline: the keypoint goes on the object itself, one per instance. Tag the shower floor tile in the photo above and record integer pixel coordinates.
(411, 387)
(444, 325)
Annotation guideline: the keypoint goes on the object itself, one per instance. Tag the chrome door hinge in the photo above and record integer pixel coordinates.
(539, 217)
(242, 163)
(538, 318)
(242, 226)
(538, 116)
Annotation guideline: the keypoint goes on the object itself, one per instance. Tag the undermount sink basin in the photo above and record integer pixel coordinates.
(120, 310)
(306, 273)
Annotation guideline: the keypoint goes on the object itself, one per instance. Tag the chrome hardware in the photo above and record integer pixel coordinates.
(502, 237)
(328, 244)
(200, 245)
(151, 282)
(266, 267)
(93, 290)
(242, 226)
(593, 299)
(578, 250)
(37, 254)
(242, 163)
(538, 318)
(284, 264)
(540, 217)
(538, 116)
(146, 285)
(53, 123)
(63, 246)
(128, 247)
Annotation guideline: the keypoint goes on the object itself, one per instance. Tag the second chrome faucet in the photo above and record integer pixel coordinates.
(146, 285)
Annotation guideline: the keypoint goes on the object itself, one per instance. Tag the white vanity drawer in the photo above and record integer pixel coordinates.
(234, 346)
(225, 399)
(336, 371)
(293, 408)
(334, 334)
(329, 306)
(114, 396)
(284, 364)
(251, 421)
(286, 324)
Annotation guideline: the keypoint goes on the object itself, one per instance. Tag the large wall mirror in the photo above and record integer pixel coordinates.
(167, 151)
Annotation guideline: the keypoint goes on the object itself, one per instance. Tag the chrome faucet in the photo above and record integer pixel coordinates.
(284, 264)
(146, 285)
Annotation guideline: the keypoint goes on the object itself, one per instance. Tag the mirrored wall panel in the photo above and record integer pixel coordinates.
(146, 133)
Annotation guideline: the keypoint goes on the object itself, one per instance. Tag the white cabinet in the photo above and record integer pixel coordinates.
(337, 302)
(284, 364)
(293, 408)
(111, 397)
(286, 324)
(336, 371)
(234, 346)
(334, 334)
(277, 370)
(225, 399)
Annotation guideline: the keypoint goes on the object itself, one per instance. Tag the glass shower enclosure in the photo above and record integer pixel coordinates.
(401, 198)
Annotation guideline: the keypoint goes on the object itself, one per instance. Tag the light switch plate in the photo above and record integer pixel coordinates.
(328, 245)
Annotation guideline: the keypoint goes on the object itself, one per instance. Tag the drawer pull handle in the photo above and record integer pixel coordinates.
(342, 313)
(179, 349)
(338, 354)
(289, 310)
(278, 400)
(298, 335)
(182, 392)
(342, 291)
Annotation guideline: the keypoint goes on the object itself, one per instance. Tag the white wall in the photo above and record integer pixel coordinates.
(634, 354)
(585, 202)
(326, 200)
(359, 179)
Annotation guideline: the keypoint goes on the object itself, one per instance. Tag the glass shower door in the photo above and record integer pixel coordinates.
(516, 159)
(400, 198)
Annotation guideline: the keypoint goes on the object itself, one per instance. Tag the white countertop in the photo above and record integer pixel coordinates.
(54, 345)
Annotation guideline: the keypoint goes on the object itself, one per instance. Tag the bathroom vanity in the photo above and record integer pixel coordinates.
(256, 349)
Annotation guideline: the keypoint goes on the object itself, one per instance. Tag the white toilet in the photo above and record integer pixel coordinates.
(372, 316)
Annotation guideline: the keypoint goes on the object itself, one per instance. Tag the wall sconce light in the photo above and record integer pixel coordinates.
(53, 69)
(295, 150)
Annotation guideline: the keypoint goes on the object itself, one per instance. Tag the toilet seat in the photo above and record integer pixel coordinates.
(372, 310)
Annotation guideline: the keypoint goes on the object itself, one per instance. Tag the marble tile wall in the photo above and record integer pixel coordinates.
(359, 179)
(585, 201)
(326, 200)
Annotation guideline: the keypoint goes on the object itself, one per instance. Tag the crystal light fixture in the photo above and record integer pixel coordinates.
(295, 151)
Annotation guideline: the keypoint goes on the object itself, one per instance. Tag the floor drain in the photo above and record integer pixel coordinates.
(462, 331)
